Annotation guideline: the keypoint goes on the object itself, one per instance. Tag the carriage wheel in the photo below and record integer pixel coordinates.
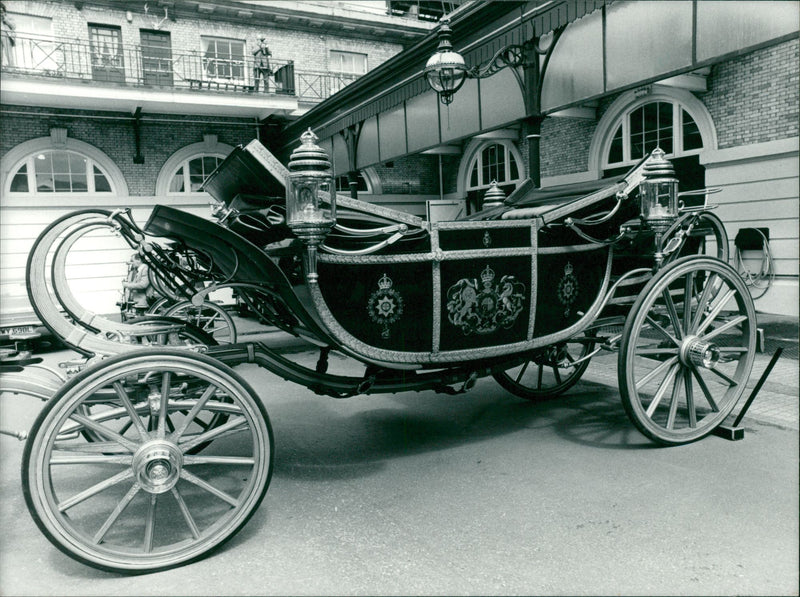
(687, 350)
(140, 500)
(551, 373)
(209, 317)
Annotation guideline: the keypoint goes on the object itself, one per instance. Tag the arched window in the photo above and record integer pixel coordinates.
(185, 171)
(644, 126)
(192, 173)
(497, 161)
(494, 162)
(667, 117)
(52, 171)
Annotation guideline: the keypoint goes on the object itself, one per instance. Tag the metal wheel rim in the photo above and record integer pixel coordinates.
(674, 361)
(78, 542)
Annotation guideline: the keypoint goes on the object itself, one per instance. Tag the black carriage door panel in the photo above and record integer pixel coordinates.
(388, 306)
(156, 57)
(485, 302)
(569, 283)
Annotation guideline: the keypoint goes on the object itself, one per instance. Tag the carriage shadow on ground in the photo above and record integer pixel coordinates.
(318, 438)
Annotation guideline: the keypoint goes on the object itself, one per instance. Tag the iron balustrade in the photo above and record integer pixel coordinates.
(142, 65)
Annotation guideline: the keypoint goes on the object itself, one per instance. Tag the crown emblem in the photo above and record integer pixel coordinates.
(568, 269)
(385, 283)
(487, 276)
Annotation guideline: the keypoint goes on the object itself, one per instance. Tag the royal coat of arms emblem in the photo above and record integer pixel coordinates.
(385, 305)
(485, 308)
(568, 289)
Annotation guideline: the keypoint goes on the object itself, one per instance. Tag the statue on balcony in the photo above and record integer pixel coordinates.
(261, 66)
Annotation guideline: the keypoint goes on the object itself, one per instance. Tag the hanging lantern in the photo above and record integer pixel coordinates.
(446, 69)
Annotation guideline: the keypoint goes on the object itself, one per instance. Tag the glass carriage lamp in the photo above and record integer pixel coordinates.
(659, 192)
(310, 197)
(658, 196)
(446, 70)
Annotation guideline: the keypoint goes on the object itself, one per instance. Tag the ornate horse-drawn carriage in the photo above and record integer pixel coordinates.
(154, 455)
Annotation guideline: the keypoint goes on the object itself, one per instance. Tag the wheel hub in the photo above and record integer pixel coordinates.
(157, 465)
(699, 353)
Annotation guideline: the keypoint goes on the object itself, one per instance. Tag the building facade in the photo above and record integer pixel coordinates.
(109, 107)
(107, 104)
(719, 94)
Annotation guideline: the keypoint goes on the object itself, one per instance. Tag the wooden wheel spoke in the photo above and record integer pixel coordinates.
(673, 401)
(187, 516)
(724, 377)
(657, 327)
(646, 352)
(657, 371)
(673, 313)
(94, 490)
(150, 524)
(166, 384)
(688, 293)
(662, 388)
(522, 371)
(136, 420)
(189, 460)
(208, 487)
(706, 392)
(115, 513)
(725, 327)
(539, 376)
(557, 374)
(712, 315)
(702, 302)
(104, 431)
(196, 408)
(690, 406)
(69, 457)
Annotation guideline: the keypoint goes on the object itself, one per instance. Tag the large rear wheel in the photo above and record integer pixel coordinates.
(136, 496)
(687, 350)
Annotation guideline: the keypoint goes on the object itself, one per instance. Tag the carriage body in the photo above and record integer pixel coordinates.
(419, 305)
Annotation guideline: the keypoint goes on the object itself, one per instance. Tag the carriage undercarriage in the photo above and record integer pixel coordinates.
(159, 428)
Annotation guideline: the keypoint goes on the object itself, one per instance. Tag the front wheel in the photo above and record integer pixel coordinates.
(138, 497)
(687, 350)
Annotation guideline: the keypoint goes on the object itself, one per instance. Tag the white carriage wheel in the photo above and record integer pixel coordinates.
(687, 350)
(144, 498)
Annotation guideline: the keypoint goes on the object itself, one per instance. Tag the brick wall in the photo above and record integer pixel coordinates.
(751, 99)
(754, 98)
(415, 175)
(565, 145)
(309, 50)
(113, 134)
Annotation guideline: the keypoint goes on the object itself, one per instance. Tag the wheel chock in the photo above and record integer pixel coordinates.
(734, 432)
(729, 432)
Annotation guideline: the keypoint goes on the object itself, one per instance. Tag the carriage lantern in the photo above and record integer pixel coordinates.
(310, 182)
(659, 193)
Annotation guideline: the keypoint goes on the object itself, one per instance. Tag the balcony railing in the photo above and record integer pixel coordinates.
(161, 67)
